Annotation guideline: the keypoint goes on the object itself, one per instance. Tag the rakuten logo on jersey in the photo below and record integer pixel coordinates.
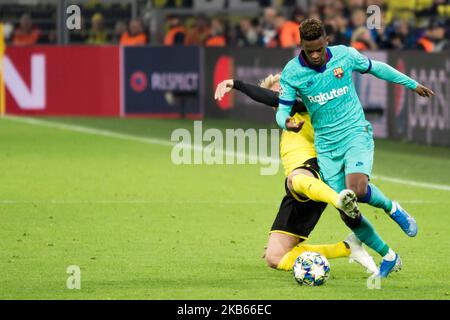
(323, 98)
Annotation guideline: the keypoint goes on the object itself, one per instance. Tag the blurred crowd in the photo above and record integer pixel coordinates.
(345, 22)
(133, 33)
(425, 28)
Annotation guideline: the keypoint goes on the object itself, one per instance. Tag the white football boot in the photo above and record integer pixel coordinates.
(348, 203)
(360, 255)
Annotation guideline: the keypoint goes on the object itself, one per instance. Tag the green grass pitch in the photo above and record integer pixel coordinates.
(140, 227)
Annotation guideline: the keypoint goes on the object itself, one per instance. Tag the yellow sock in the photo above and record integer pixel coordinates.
(315, 189)
(329, 251)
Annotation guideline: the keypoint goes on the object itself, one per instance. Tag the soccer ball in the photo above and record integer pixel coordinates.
(311, 269)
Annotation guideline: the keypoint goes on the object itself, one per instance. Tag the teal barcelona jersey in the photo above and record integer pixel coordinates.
(329, 95)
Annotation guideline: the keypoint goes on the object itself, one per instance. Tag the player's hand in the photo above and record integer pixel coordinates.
(292, 125)
(222, 88)
(424, 91)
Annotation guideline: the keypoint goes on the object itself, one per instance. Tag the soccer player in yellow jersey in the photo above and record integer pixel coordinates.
(298, 215)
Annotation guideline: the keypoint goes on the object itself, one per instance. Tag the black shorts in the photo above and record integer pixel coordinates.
(298, 218)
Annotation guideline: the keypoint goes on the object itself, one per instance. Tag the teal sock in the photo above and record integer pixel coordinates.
(367, 234)
(377, 199)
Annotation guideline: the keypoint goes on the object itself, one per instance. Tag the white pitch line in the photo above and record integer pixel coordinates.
(137, 201)
(413, 183)
(87, 130)
(420, 202)
(154, 141)
(180, 202)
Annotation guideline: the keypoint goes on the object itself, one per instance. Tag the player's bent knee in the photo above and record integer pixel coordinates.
(278, 246)
(360, 190)
(273, 259)
(297, 173)
(289, 181)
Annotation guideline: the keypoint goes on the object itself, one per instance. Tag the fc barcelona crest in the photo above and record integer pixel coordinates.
(338, 72)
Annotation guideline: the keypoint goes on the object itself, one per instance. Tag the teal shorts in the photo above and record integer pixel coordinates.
(354, 156)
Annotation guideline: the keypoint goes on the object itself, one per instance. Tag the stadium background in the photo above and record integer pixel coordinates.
(118, 82)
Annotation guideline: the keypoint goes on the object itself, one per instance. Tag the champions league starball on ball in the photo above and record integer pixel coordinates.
(311, 269)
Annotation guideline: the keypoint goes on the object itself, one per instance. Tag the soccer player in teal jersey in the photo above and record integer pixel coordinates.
(322, 77)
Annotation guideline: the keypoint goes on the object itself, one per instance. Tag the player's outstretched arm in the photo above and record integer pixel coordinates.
(258, 94)
(386, 72)
(262, 95)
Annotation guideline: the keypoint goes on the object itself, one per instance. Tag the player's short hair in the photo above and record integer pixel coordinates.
(312, 29)
(269, 81)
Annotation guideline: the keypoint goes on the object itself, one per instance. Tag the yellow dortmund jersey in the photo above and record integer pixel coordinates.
(297, 147)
